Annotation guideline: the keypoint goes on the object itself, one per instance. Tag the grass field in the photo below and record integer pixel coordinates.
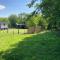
(12, 37)
(42, 46)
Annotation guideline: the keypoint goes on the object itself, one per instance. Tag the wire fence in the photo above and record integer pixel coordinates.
(14, 31)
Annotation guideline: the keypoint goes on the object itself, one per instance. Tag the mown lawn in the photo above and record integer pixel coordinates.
(42, 46)
(12, 37)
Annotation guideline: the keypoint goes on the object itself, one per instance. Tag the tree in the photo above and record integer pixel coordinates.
(4, 20)
(37, 20)
(22, 18)
(12, 20)
(50, 10)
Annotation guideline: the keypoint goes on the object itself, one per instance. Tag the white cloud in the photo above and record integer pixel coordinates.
(2, 7)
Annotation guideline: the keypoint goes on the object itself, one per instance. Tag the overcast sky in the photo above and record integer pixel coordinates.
(8, 7)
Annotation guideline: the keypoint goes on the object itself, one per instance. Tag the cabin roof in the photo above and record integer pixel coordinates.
(21, 24)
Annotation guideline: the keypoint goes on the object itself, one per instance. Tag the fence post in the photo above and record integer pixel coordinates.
(18, 30)
(7, 30)
(13, 31)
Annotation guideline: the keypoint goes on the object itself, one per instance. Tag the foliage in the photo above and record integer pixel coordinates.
(49, 9)
(37, 20)
(4, 20)
(30, 23)
(12, 20)
(22, 18)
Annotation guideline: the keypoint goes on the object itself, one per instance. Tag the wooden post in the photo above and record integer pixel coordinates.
(18, 30)
(7, 30)
(13, 31)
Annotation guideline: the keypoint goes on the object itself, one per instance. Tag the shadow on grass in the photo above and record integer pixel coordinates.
(38, 47)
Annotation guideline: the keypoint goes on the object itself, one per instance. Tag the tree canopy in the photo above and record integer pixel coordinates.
(50, 10)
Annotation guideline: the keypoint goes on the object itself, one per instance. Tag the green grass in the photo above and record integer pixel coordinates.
(7, 39)
(42, 46)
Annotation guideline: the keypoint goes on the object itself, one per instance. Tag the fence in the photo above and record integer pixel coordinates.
(15, 31)
(30, 30)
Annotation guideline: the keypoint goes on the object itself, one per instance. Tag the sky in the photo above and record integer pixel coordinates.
(8, 7)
